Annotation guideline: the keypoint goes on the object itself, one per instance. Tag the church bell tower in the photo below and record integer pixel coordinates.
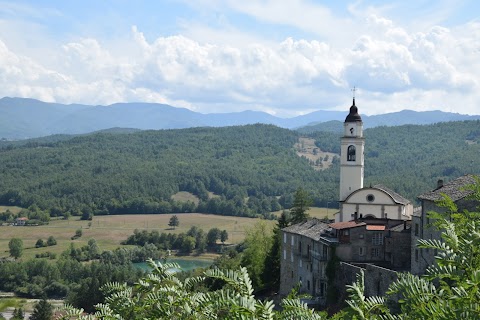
(351, 156)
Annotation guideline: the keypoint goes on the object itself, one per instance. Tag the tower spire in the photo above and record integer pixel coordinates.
(353, 93)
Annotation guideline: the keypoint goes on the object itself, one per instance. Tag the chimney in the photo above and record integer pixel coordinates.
(439, 183)
(405, 225)
(355, 216)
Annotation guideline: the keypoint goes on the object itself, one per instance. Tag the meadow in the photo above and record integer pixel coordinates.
(109, 231)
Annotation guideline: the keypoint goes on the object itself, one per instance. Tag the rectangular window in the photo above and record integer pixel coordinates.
(346, 232)
(308, 284)
(300, 247)
(416, 255)
(325, 251)
(291, 256)
(416, 229)
(284, 238)
(293, 240)
(322, 289)
(377, 239)
(284, 254)
(375, 252)
(361, 251)
(300, 263)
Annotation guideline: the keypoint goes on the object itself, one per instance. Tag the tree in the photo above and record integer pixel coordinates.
(51, 241)
(174, 222)
(16, 247)
(43, 311)
(258, 242)
(188, 244)
(18, 314)
(40, 243)
(212, 236)
(301, 204)
(93, 250)
(223, 236)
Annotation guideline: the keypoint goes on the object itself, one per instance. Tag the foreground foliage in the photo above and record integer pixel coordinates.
(161, 295)
(450, 289)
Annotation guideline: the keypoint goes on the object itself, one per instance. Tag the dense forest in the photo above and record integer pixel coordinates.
(244, 170)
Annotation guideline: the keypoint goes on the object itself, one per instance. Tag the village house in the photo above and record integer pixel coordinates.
(21, 221)
(458, 190)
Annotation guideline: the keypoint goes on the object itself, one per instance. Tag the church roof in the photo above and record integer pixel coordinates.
(395, 196)
(313, 228)
(353, 116)
(456, 189)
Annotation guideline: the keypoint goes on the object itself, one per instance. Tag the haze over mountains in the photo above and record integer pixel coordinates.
(22, 118)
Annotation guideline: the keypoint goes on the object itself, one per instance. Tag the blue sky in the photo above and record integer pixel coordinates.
(286, 57)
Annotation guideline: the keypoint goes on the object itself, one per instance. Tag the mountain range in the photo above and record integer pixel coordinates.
(22, 118)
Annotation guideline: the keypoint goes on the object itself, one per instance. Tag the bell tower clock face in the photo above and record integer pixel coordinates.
(352, 131)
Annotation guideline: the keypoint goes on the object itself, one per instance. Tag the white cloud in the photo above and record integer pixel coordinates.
(207, 72)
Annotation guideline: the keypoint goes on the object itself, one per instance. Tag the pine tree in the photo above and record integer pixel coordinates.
(301, 204)
(43, 311)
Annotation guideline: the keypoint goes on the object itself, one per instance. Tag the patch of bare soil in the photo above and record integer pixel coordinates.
(319, 160)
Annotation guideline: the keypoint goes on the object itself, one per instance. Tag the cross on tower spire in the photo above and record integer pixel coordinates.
(353, 90)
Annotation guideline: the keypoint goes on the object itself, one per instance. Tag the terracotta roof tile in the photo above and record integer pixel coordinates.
(375, 228)
(346, 225)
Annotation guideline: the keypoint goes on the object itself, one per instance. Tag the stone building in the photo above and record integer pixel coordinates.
(306, 250)
(383, 242)
(458, 191)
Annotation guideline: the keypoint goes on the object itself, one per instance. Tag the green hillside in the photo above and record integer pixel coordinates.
(252, 169)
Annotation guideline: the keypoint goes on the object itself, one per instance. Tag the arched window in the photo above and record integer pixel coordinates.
(351, 153)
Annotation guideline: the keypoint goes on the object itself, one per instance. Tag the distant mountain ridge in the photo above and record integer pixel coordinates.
(22, 118)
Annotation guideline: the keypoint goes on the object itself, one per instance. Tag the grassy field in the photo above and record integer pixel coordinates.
(110, 230)
(11, 208)
(316, 212)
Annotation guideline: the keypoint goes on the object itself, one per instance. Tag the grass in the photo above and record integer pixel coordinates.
(109, 231)
(184, 196)
(11, 303)
(316, 212)
(13, 209)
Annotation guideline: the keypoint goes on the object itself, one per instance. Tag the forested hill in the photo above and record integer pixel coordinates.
(244, 170)
(410, 159)
(247, 166)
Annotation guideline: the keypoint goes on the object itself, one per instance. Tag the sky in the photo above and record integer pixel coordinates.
(284, 57)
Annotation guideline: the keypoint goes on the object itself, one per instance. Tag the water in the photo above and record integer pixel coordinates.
(185, 264)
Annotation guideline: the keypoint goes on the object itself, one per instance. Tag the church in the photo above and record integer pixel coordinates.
(357, 201)
(371, 231)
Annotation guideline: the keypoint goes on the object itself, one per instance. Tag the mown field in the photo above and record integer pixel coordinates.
(109, 231)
